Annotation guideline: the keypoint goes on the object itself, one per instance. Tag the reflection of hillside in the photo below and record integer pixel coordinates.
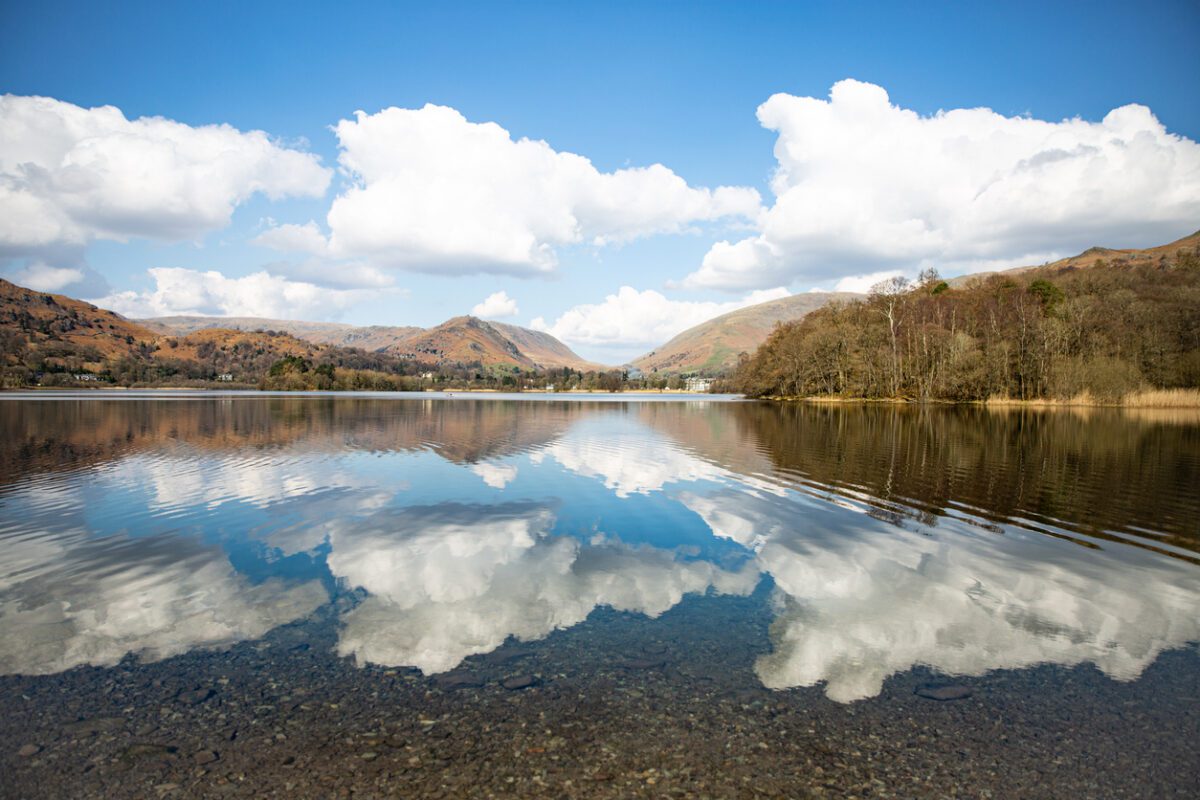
(1101, 474)
(66, 434)
(710, 431)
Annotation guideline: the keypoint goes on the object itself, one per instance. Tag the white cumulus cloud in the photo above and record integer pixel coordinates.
(495, 306)
(69, 175)
(645, 318)
(863, 283)
(863, 185)
(261, 294)
(434, 192)
(45, 278)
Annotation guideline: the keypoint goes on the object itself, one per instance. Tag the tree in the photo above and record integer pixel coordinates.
(886, 296)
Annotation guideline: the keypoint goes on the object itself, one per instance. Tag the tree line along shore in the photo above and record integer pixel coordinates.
(1112, 333)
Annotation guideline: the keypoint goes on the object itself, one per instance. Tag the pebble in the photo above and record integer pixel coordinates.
(95, 725)
(943, 693)
(519, 682)
(144, 749)
(641, 663)
(503, 656)
(29, 750)
(205, 757)
(459, 680)
(195, 697)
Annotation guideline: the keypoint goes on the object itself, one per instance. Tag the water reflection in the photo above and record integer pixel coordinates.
(857, 601)
(451, 581)
(962, 540)
(66, 601)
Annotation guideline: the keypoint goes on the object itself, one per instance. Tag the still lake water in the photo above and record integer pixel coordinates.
(414, 595)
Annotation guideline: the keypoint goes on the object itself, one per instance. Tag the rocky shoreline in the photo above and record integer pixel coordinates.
(620, 706)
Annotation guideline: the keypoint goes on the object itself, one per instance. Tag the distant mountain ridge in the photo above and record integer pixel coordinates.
(458, 340)
(1096, 255)
(73, 334)
(714, 346)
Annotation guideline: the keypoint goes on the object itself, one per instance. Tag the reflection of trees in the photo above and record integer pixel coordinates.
(67, 434)
(1104, 472)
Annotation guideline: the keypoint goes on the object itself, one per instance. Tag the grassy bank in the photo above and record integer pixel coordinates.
(1148, 399)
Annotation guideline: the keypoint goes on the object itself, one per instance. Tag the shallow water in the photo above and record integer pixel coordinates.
(605, 596)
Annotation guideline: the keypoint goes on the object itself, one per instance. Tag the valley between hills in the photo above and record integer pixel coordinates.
(54, 340)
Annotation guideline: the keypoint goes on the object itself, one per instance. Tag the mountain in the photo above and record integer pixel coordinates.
(544, 349)
(458, 340)
(462, 340)
(1096, 255)
(55, 335)
(714, 345)
(1104, 327)
(56, 322)
(374, 338)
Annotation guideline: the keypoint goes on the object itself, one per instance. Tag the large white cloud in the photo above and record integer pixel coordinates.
(69, 175)
(863, 185)
(260, 294)
(496, 305)
(645, 318)
(435, 192)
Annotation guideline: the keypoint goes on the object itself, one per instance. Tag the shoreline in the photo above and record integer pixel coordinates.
(1150, 399)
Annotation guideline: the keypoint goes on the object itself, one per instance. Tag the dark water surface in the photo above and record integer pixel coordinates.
(403, 596)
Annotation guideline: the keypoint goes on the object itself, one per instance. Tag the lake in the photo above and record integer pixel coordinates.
(503, 595)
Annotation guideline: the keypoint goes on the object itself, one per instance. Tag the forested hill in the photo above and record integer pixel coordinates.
(1105, 323)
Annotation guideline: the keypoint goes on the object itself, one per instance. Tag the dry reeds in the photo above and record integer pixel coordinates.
(1163, 398)
(1144, 398)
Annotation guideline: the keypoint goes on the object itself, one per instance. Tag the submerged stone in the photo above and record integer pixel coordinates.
(517, 682)
(944, 692)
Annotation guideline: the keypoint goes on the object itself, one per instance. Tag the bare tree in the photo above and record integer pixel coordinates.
(886, 296)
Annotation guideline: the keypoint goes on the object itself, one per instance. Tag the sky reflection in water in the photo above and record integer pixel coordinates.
(964, 540)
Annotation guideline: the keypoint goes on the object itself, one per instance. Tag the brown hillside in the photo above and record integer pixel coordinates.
(1097, 255)
(463, 340)
(538, 348)
(714, 346)
(373, 338)
(545, 351)
(244, 354)
(56, 322)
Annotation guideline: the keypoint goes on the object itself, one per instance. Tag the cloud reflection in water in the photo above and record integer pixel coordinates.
(151, 528)
(858, 600)
(448, 582)
(70, 601)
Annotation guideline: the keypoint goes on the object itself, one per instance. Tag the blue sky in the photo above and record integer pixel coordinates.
(623, 85)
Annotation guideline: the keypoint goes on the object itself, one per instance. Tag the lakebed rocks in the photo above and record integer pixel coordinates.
(298, 723)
